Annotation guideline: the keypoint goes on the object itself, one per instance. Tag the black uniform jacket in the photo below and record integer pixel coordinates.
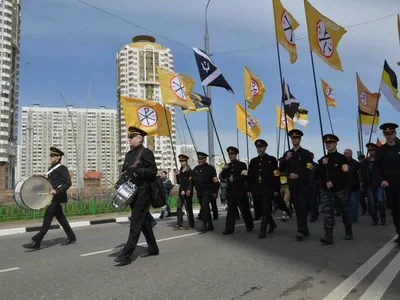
(185, 180)
(388, 159)
(60, 181)
(238, 170)
(354, 183)
(141, 175)
(205, 179)
(263, 176)
(338, 171)
(301, 164)
(370, 174)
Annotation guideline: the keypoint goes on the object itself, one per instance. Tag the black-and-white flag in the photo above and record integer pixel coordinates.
(210, 75)
(290, 103)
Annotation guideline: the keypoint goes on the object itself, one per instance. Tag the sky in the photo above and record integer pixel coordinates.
(70, 44)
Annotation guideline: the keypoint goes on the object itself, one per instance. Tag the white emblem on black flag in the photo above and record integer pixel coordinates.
(210, 75)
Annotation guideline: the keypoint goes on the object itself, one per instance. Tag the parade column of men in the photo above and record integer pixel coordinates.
(235, 172)
(263, 182)
(298, 164)
(388, 161)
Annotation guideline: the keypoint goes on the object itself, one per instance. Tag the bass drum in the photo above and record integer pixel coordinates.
(33, 193)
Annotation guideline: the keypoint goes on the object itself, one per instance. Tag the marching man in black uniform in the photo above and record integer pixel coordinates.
(388, 161)
(298, 164)
(333, 172)
(207, 186)
(236, 172)
(61, 182)
(263, 182)
(141, 169)
(184, 179)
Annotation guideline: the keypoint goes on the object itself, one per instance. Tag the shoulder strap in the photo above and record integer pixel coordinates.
(138, 157)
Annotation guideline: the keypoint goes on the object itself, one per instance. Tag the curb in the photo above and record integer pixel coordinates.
(10, 231)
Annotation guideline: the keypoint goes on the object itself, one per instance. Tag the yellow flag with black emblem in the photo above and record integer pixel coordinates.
(244, 120)
(324, 36)
(147, 115)
(367, 101)
(254, 89)
(328, 94)
(176, 88)
(281, 121)
(285, 25)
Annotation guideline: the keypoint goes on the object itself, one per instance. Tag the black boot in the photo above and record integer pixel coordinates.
(383, 221)
(210, 226)
(272, 227)
(263, 228)
(32, 245)
(327, 239)
(203, 227)
(349, 233)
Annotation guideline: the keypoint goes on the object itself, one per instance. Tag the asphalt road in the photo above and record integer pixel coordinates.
(208, 266)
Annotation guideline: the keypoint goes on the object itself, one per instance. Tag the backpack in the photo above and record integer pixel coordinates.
(157, 193)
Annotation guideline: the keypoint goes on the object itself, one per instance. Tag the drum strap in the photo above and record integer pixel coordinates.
(51, 170)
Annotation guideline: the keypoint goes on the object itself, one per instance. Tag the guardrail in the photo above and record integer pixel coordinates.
(12, 212)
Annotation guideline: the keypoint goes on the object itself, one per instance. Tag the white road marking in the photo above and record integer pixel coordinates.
(381, 284)
(122, 219)
(8, 270)
(341, 291)
(12, 231)
(160, 240)
(79, 224)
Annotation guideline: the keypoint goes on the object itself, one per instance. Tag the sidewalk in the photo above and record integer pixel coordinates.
(22, 226)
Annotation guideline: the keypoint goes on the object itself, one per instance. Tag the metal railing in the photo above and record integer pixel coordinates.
(13, 212)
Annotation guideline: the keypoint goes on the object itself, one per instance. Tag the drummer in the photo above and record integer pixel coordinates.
(61, 182)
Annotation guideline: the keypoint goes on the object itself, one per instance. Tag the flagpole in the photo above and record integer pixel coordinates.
(190, 133)
(247, 137)
(283, 91)
(373, 119)
(279, 132)
(329, 116)
(318, 104)
(170, 137)
(215, 129)
(237, 139)
(359, 133)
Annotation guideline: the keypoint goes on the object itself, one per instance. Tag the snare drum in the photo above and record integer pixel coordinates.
(33, 192)
(124, 195)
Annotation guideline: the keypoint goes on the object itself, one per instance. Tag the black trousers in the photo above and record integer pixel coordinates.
(393, 199)
(265, 202)
(54, 210)
(140, 222)
(205, 212)
(314, 197)
(299, 194)
(235, 201)
(258, 207)
(186, 201)
(214, 207)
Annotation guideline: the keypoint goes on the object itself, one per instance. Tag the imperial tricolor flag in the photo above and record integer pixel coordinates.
(210, 75)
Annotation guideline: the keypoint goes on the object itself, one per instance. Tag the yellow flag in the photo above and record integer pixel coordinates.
(280, 119)
(243, 120)
(324, 36)
(367, 101)
(176, 88)
(285, 25)
(328, 94)
(147, 115)
(254, 89)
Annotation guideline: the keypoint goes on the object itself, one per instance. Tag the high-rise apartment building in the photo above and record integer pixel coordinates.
(10, 23)
(96, 139)
(137, 77)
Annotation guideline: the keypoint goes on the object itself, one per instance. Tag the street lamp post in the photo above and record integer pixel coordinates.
(209, 120)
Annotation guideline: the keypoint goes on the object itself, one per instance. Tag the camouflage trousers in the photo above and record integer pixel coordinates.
(338, 199)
